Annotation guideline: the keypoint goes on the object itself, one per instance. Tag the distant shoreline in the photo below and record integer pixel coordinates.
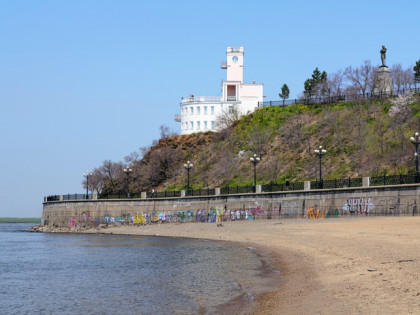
(21, 220)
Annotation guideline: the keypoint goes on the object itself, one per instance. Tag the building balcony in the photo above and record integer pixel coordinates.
(235, 50)
(201, 99)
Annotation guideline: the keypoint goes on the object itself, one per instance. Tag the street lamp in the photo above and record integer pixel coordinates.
(416, 141)
(87, 174)
(255, 160)
(127, 172)
(320, 152)
(188, 166)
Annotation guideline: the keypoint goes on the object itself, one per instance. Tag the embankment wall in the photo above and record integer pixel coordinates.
(401, 200)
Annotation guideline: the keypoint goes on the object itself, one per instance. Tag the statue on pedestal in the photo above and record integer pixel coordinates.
(383, 55)
(383, 85)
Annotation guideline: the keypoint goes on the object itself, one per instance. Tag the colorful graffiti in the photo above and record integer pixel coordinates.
(358, 206)
(200, 216)
(312, 214)
(257, 211)
(154, 217)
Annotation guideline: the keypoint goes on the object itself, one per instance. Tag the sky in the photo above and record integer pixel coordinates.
(86, 81)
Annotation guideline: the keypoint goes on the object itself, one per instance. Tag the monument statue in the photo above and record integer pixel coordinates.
(383, 84)
(383, 55)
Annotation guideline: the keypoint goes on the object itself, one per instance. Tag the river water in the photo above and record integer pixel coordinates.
(43, 273)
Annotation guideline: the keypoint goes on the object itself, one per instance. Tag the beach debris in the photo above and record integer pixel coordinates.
(372, 270)
(220, 225)
(248, 297)
(405, 260)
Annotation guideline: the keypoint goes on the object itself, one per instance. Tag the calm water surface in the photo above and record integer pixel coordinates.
(111, 274)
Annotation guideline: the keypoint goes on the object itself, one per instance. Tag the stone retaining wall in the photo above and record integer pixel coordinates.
(401, 200)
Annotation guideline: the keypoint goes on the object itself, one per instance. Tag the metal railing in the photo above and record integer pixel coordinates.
(201, 99)
(337, 183)
(163, 194)
(200, 192)
(393, 180)
(229, 190)
(283, 187)
(334, 98)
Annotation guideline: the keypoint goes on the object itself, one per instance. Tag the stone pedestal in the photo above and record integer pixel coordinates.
(383, 84)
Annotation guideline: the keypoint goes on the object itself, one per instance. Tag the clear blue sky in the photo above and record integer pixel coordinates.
(85, 81)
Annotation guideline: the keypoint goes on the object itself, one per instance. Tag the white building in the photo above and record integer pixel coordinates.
(200, 113)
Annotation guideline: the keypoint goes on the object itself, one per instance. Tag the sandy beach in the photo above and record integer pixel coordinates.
(360, 265)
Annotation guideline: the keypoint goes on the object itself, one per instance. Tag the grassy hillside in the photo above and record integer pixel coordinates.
(361, 137)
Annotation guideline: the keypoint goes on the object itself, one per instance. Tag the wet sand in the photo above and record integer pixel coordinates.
(361, 265)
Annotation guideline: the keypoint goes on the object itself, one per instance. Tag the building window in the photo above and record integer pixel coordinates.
(230, 109)
(205, 124)
(205, 110)
(212, 110)
(212, 125)
(198, 110)
(198, 125)
(192, 110)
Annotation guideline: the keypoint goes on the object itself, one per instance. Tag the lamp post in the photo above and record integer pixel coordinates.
(320, 152)
(255, 160)
(188, 166)
(127, 172)
(416, 141)
(87, 174)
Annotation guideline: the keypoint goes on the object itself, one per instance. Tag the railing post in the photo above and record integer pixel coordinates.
(366, 181)
(217, 191)
(349, 181)
(143, 195)
(307, 185)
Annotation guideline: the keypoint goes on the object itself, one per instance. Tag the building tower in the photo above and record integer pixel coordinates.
(201, 113)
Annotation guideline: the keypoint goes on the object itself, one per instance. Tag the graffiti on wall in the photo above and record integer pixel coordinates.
(358, 206)
(153, 217)
(82, 220)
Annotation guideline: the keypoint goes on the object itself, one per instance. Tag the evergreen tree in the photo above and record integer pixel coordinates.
(312, 83)
(284, 92)
(417, 72)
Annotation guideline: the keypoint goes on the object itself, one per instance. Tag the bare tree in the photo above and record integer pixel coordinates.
(397, 77)
(258, 137)
(334, 83)
(165, 132)
(161, 165)
(226, 166)
(96, 181)
(227, 118)
(361, 78)
(111, 170)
